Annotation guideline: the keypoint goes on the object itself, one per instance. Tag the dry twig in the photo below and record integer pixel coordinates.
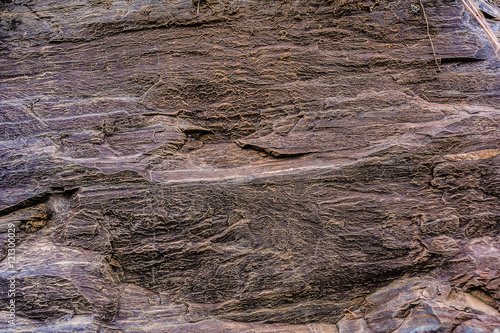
(429, 34)
(476, 12)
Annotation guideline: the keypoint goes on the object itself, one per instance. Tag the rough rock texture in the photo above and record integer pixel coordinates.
(249, 166)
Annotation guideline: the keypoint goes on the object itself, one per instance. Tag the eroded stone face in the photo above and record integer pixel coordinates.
(249, 167)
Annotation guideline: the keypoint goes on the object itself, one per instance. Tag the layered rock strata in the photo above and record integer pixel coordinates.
(249, 166)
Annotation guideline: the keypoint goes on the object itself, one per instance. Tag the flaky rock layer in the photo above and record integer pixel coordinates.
(249, 166)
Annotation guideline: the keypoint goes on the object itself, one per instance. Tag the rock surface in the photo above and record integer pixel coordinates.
(249, 166)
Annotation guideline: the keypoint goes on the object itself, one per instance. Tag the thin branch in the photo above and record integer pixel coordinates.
(429, 34)
(476, 12)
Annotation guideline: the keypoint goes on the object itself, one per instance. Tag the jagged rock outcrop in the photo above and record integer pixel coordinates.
(249, 166)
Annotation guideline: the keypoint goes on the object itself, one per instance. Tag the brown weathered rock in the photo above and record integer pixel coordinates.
(201, 166)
